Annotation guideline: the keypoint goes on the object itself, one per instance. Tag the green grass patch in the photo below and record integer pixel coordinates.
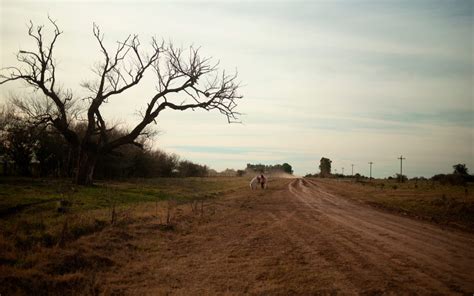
(45, 212)
(20, 194)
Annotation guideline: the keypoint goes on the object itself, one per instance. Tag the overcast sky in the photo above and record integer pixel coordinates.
(354, 81)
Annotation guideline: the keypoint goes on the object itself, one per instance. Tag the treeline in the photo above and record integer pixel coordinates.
(285, 167)
(27, 149)
(459, 176)
(445, 179)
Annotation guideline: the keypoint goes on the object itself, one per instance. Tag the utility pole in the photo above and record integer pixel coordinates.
(343, 171)
(352, 170)
(401, 167)
(371, 163)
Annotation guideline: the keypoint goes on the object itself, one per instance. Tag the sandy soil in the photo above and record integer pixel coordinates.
(294, 238)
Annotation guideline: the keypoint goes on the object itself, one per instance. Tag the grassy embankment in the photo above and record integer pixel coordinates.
(427, 200)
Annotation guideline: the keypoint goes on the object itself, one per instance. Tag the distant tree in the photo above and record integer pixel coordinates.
(260, 168)
(181, 75)
(460, 169)
(4, 118)
(212, 173)
(460, 176)
(131, 162)
(240, 173)
(451, 179)
(22, 141)
(287, 168)
(228, 173)
(325, 167)
(401, 178)
(189, 169)
(4, 121)
(53, 153)
(165, 164)
(19, 141)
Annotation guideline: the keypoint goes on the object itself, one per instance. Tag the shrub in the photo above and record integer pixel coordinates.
(451, 179)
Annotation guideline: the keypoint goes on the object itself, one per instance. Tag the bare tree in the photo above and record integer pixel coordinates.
(198, 82)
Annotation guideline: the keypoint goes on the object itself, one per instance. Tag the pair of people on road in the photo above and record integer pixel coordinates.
(258, 180)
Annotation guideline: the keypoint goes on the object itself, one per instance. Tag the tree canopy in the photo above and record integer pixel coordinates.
(325, 167)
(262, 168)
(460, 169)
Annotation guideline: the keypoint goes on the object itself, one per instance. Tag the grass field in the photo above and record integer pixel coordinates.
(427, 200)
(42, 220)
(23, 193)
(57, 236)
(36, 213)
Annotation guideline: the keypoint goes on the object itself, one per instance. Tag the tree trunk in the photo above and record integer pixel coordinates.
(85, 167)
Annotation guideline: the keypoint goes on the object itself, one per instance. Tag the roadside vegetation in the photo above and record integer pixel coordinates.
(41, 214)
(430, 200)
(58, 239)
(446, 199)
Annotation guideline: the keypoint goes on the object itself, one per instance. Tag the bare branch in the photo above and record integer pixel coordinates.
(38, 69)
(184, 80)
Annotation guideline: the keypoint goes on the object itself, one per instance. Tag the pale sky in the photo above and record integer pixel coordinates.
(355, 81)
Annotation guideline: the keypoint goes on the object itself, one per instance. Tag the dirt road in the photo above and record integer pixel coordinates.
(296, 238)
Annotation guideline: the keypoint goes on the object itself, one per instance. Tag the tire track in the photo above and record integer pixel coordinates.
(434, 264)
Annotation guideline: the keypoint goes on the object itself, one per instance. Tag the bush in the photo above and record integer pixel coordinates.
(189, 169)
(27, 149)
(401, 178)
(451, 179)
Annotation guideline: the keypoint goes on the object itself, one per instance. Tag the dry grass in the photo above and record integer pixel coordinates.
(183, 242)
(43, 223)
(443, 204)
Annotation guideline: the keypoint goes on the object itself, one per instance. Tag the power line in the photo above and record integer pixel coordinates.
(401, 167)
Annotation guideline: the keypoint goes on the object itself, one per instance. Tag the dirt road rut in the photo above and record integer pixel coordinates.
(301, 239)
